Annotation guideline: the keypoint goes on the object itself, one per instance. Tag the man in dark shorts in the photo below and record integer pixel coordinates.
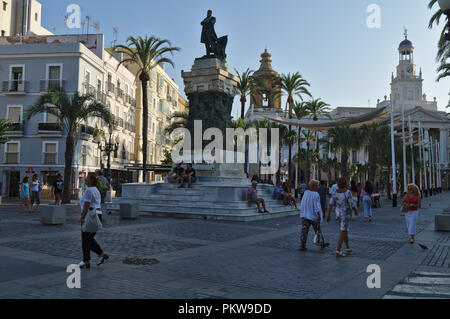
(176, 173)
(189, 176)
(58, 186)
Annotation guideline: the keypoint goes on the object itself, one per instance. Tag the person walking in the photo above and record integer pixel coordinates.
(354, 190)
(411, 203)
(24, 195)
(333, 190)
(90, 222)
(323, 192)
(58, 187)
(342, 200)
(366, 194)
(103, 185)
(311, 214)
(36, 189)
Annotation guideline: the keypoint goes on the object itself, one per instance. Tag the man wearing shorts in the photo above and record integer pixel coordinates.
(58, 186)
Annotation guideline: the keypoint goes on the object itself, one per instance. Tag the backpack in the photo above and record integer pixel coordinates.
(102, 187)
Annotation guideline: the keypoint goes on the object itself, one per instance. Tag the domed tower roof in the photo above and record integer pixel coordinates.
(406, 44)
(266, 65)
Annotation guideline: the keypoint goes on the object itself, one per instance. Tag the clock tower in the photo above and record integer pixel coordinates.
(406, 87)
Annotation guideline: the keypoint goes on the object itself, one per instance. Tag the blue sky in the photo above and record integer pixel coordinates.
(327, 41)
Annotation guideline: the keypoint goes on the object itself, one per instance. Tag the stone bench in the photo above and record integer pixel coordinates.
(129, 211)
(442, 222)
(53, 215)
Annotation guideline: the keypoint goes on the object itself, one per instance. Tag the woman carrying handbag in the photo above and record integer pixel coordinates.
(90, 222)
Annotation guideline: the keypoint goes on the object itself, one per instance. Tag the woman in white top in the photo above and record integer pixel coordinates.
(35, 190)
(342, 200)
(90, 204)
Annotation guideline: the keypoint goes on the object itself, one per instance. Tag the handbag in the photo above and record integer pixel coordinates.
(92, 223)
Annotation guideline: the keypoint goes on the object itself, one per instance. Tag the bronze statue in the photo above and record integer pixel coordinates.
(215, 47)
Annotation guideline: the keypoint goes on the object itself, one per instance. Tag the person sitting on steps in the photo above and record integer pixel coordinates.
(252, 197)
(188, 176)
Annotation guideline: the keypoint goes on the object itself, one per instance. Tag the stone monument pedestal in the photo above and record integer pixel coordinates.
(221, 189)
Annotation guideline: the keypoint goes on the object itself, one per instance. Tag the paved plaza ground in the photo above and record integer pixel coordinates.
(220, 259)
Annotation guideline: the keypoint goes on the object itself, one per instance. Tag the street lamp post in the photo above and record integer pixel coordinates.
(405, 178)
(394, 170)
(108, 149)
(445, 7)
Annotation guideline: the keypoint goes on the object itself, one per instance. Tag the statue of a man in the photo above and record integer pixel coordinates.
(209, 36)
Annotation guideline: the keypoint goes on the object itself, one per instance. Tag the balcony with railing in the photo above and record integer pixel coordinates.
(16, 87)
(50, 128)
(119, 93)
(15, 128)
(48, 84)
(50, 158)
(111, 88)
(86, 132)
(11, 158)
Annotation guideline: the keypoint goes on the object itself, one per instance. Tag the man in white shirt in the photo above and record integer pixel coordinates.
(311, 214)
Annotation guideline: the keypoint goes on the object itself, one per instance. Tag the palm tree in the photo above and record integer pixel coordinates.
(373, 135)
(309, 138)
(291, 85)
(5, 126)
(318, 108)
(345, 138)
(300, 111)
(71, 112)
(244, 87)
(178, 120)
(145, 53)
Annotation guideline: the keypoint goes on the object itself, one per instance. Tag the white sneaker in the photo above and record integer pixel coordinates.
(84, 265)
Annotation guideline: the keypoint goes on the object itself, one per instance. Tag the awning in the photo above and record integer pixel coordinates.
(376, 116)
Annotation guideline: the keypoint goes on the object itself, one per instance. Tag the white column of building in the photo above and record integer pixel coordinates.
(427, 142)
(405, 178)
(438, 165)
(430, 147)
(420, 157)
(424, 161)
(413, 170)
(443, 147)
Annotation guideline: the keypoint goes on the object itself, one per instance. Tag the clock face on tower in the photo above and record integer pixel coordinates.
(409, 69)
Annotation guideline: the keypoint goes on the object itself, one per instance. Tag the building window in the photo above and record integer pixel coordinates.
(14, 114)
(54, 76)
(3, 33)
(50, 150)
(51, 118)
(354, 157)
(36, 17)
(83, 155)
(12, 151)
(16, 77)
(5, 6)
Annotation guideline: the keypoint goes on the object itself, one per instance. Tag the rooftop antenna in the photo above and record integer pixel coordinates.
(406, 32)
(115, 31)
(88, 18)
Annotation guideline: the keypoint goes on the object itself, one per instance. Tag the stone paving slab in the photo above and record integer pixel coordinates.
(217, 259)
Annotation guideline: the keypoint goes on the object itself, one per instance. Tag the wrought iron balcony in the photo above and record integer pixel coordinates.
(49, 127)
(14, 87)
(48, 84)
